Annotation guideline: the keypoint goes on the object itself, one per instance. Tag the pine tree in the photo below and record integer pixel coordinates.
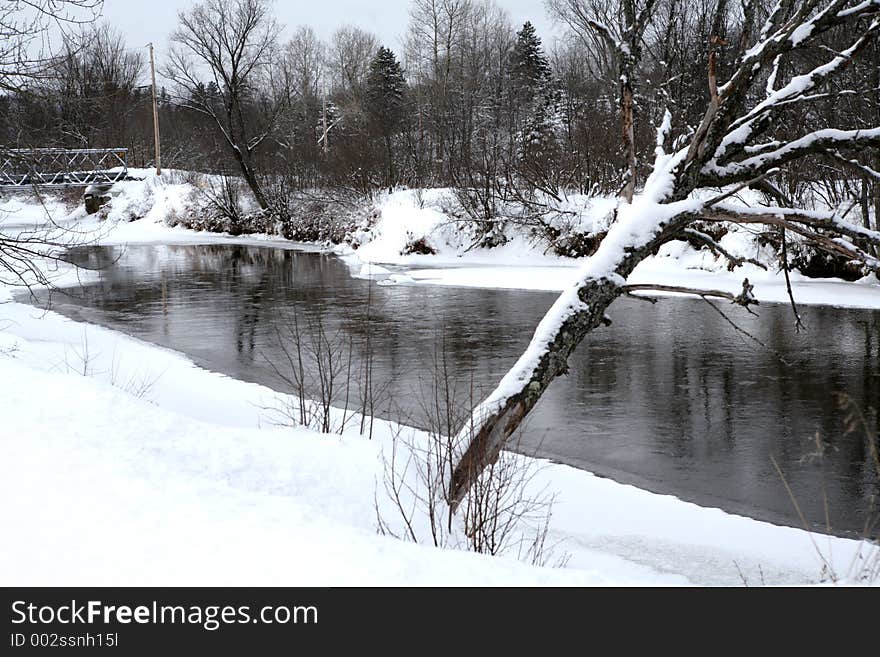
(386, 102)
(537, 99)
(528, 67)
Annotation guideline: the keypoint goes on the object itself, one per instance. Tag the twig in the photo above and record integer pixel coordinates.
(746, 333)
(652, 287)
(797, 508)
(714, 246)
(740, 187)
(798, 324)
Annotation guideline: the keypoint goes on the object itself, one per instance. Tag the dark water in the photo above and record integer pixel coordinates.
(669, 398)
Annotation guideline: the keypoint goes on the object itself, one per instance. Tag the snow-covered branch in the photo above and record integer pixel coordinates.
(819, 141)
(808, 226)
(716, 248)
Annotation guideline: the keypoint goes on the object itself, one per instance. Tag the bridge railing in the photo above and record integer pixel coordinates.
(62, 167)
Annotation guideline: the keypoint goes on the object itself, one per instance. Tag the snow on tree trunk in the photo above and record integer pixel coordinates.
(729, 148)
(640, 229)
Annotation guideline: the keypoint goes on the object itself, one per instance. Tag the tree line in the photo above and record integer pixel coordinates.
(468, 100)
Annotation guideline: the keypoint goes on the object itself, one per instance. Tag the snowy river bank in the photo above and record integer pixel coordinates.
(187, 482)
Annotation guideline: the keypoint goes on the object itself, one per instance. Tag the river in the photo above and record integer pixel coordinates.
(669, 398)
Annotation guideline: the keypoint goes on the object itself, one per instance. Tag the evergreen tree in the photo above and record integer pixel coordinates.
(528, 67)
(386, 102)
(536, 98)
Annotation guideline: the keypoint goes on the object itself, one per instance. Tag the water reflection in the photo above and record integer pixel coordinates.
(669, 398)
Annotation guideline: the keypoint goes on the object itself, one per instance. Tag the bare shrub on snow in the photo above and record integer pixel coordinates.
(82, 360)
(328, 373)
(505, 513)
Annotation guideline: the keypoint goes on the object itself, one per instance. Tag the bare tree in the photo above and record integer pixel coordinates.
(233, 42)
(94, 87)
(26, 252)
(301, 67)
(25, 42)
(736, 145)
(616, 27)
(304, 57)
(433, 41)
(348, 58)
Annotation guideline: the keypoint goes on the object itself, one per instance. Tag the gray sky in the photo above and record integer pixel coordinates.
(153, 20)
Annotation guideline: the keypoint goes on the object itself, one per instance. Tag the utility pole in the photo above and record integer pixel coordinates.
(155, 114)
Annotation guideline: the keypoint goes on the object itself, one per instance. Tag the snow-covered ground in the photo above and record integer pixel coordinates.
(124, 463)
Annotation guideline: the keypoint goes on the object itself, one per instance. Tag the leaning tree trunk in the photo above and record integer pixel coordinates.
(576, 313)
(729, 148)
(250, 177)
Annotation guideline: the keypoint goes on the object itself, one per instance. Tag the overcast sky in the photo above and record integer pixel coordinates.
(153, 20)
